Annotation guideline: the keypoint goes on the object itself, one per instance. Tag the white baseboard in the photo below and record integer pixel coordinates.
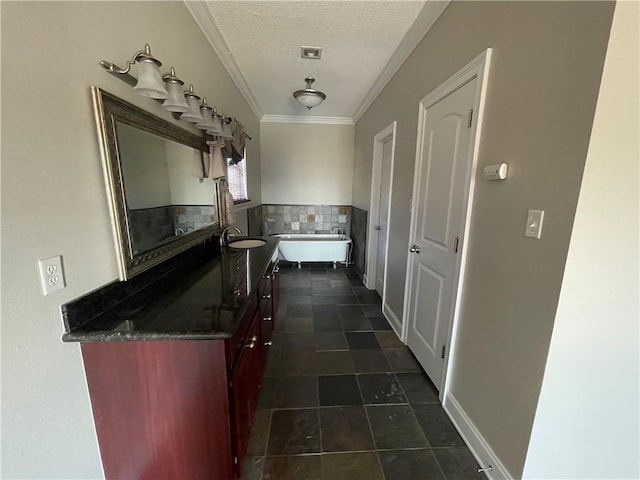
(364, 280)
(393, 319)
(479, 447)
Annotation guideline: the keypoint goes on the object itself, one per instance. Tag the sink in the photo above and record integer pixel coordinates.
(247, 243)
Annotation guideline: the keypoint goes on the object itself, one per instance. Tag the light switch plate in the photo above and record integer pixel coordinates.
(534, 223)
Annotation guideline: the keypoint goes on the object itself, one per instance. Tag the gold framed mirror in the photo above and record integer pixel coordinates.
(158, 207)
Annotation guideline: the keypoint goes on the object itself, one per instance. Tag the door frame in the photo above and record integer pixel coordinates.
(374, 212)
(478, 69)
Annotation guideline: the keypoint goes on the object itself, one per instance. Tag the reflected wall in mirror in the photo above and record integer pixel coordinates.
(163, 198)
(158, 207)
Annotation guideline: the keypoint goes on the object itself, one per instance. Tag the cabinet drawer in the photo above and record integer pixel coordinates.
(234, 344)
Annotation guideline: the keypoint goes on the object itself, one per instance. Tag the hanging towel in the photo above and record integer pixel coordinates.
(229, 209)
(216, 160)
(197, 168)
(237, 130)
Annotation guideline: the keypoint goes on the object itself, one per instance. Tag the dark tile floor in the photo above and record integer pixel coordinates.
(342, 397)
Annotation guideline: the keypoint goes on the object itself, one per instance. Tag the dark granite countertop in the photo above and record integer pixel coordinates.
(205, 297)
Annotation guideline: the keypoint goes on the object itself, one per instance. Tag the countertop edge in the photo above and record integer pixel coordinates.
(79, 336)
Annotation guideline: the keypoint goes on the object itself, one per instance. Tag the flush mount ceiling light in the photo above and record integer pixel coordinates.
(309, 97)
(311, 53)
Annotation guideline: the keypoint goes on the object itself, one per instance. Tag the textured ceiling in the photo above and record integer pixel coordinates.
(264, 39)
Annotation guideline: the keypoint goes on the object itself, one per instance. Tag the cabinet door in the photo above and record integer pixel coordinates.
(244, 387)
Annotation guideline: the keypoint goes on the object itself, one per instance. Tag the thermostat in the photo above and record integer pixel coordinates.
(497, 171)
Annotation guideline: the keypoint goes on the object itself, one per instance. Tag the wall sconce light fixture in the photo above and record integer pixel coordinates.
(193, 100)
(149, 82)
(175, 102)
(184, 105)
(207, 115)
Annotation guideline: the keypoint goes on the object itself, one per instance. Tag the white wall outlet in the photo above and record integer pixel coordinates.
(51, 274)
(534, 223)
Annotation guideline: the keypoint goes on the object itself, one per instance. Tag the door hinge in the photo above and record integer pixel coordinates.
(455, 245)
(470, 118)
(442, 354)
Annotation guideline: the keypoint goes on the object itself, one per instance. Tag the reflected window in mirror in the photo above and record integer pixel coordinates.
(161, 202)
(237, 178)
(164, 199)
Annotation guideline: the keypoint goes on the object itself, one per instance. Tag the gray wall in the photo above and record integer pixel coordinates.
(589, 405)
(54, 201)
(542, 89)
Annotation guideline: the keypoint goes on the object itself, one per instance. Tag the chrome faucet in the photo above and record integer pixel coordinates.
(338, 229)
(224, 236)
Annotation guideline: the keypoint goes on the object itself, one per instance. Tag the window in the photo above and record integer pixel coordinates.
(237, 177)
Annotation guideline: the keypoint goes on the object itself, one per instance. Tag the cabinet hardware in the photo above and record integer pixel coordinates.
(485, 469)
(267, 319)
(269, 343)
(253, 342)
(276, 269)
(455, 245)
(377, 227)
(415, 249)
(266, 297)
(267, 277)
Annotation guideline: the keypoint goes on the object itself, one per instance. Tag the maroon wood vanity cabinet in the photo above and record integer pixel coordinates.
(181, 409)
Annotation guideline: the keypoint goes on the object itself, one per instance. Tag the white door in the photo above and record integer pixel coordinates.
(383, 213)
(440, 202)
(381, 188)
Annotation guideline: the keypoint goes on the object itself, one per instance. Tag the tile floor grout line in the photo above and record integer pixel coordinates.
(364, 301)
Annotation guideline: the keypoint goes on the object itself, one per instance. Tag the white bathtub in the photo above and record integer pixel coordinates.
(308, 247)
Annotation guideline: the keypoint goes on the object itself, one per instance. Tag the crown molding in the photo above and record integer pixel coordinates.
(302, 119)
(202, 15)
(423, 23)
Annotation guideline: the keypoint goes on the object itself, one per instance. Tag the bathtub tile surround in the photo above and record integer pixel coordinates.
(149, 226)
(303, 218)
(272, 219)
(359, 239)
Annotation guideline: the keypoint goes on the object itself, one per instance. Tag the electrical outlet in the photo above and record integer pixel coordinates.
(51, 274)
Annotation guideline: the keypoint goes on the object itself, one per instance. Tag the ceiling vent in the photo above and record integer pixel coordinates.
(311, 53)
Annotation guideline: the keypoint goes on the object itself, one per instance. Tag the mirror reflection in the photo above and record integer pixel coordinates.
(163, 198)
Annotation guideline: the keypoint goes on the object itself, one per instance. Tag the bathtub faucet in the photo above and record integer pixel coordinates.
(338, 229)
(224, 237)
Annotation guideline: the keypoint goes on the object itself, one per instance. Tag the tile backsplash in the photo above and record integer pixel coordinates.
(305, 218)
(150, 226)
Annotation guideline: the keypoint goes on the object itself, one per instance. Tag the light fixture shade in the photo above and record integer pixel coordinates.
(309, 97)
(207, 115)
(216, 130)
(150, 83)
(175, 102)
(193, 100)
(226, 129)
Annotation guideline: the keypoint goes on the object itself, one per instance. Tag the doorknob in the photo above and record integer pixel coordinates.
(378, 228)
(415, 249)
